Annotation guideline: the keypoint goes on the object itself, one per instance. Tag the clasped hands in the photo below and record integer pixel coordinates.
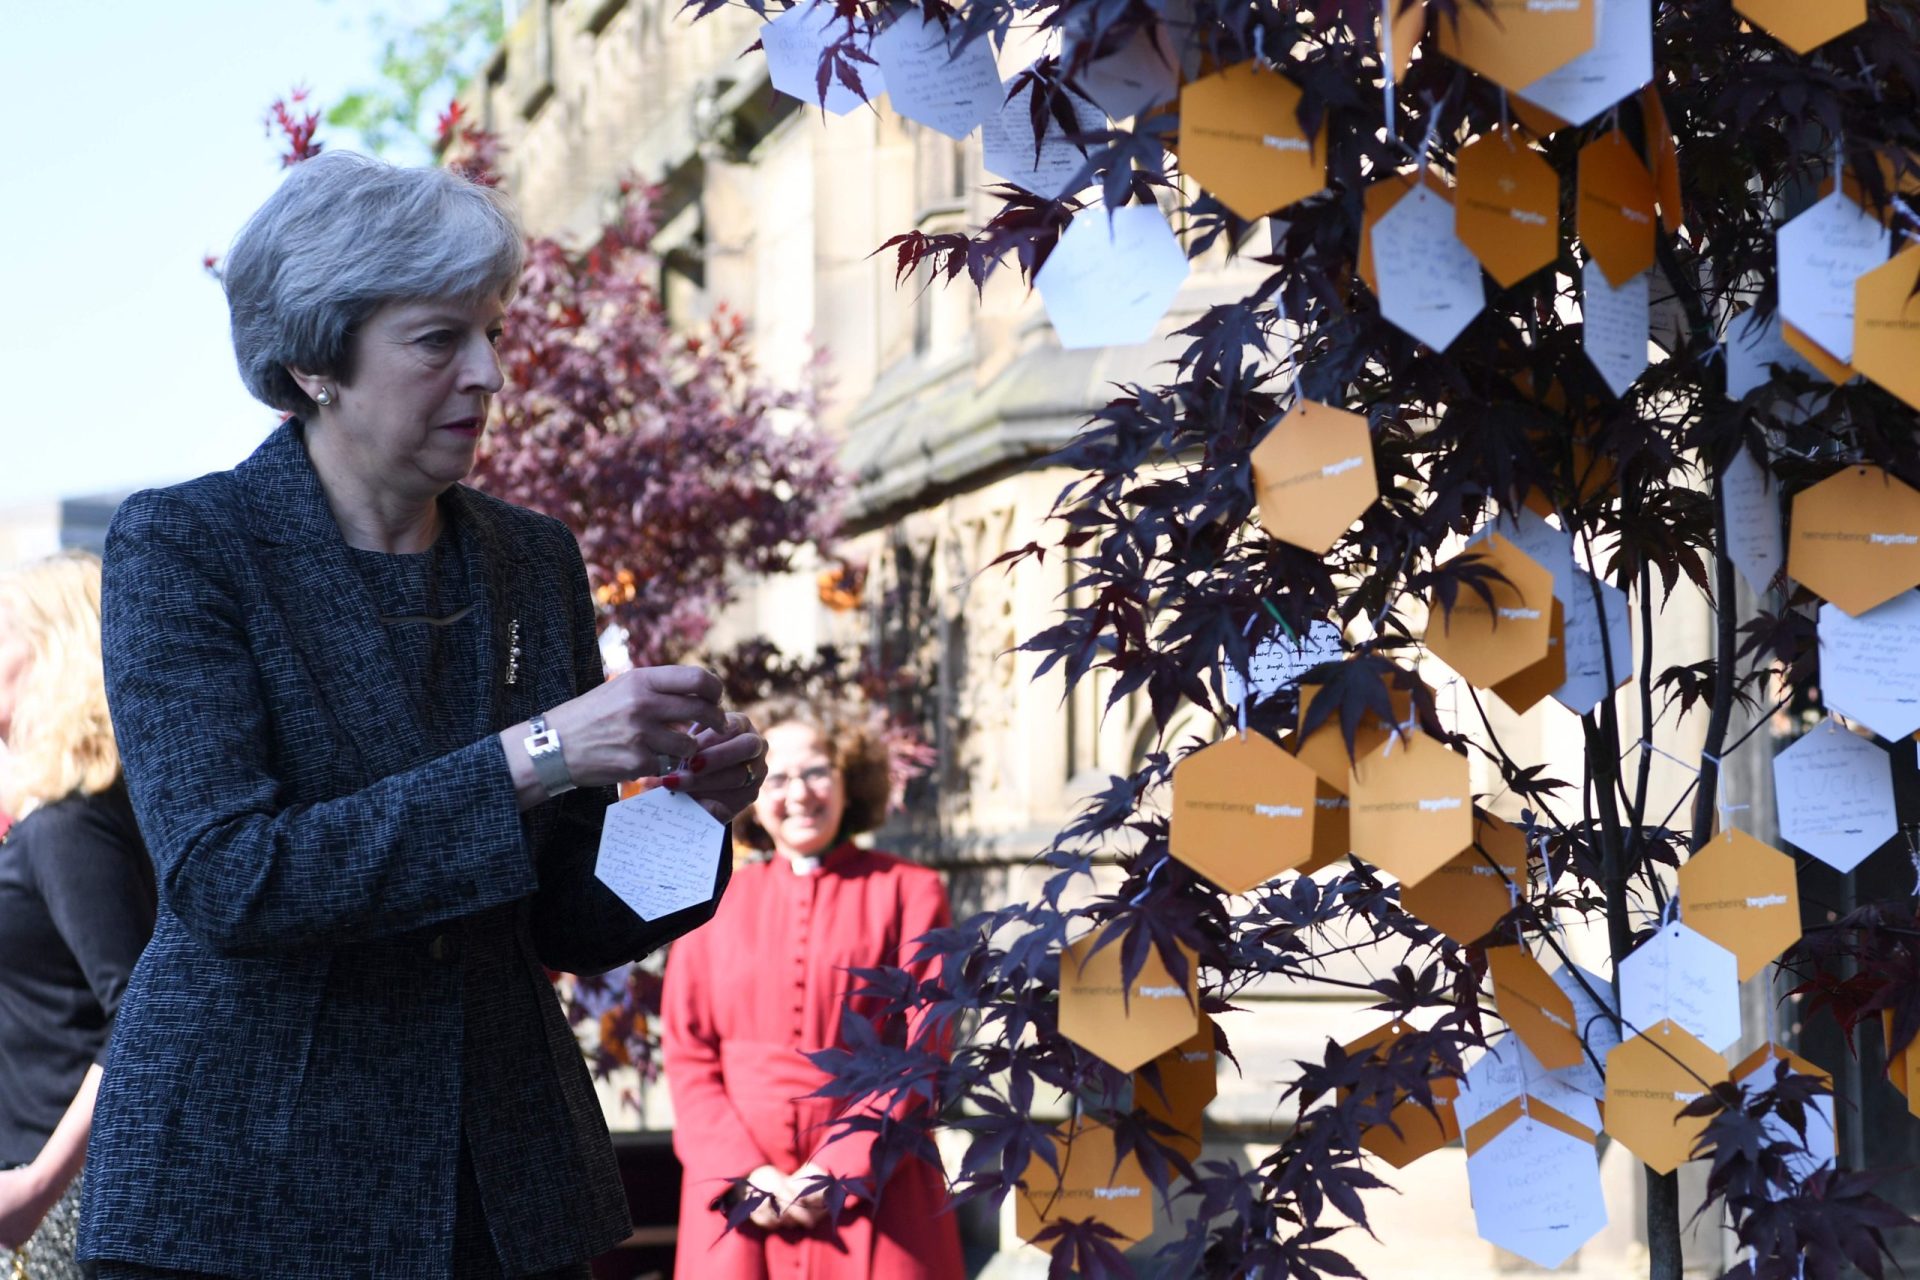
(788, 1203)
(619, 732)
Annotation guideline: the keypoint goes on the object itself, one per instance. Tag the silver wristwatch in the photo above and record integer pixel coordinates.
(543, 748)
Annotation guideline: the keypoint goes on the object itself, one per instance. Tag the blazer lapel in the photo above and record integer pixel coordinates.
(332, 616)
(501, 690)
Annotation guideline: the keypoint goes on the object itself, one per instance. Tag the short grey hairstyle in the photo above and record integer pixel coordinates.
(343, 236)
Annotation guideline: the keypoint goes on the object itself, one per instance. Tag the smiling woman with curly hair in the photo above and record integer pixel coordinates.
(766, 983)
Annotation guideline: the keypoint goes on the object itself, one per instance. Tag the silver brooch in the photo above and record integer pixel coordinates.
(513, 652)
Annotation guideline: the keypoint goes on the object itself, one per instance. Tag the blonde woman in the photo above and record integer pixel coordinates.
(76, 902)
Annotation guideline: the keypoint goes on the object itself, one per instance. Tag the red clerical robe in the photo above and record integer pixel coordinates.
(746, 995)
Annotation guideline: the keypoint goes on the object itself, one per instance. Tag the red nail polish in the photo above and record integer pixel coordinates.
(696, 764)
(673, 782)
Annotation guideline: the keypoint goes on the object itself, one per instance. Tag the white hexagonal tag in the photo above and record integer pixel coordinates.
(1007, 150)
(1754, 540)
(1753, 349)
(934, 80)
(1819, 1147)
(1596, 1022)
(1536, 1191)
(1279, 661)
(1822, 253)
(1138, 76)
(794, 41)
(1111, 278)
(1549, 547)
(1588, 654)
(1834, 789)
(1506, 1071)
(1430, 282)
(660, 851)
(1868, 670)
(1620, 61)
(1684, 975)
(1614, 326)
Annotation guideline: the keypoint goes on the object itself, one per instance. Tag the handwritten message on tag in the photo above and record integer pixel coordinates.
(1620, 61)
(1754, 541)
(1870, 665)
(933, 79)
(1599, 641)
(1614, 332)
(1834, 789)
(1507, 1070)
(1536, 1191)
(1138, 76)
(1429, 281)
(1278, 662)
(660, 851)
(1681, 975)
(1595, 1023)
(1054, 171)
(1111, 277)
(1821, 253)
(794, 42)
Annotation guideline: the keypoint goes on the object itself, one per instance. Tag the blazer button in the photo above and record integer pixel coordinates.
(437, 949)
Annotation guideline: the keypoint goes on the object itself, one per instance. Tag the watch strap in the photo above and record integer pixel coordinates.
(549, 761)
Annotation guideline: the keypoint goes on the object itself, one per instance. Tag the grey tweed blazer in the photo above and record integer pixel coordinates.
(350, 923)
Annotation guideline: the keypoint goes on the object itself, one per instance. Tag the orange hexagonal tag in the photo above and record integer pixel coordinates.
(1243, 812)
(1314, 475)
(1663, 159)
(1886, 325)
(1088, 1188)
(1240, 138)
(1507, 206)
(1743, 895)
(1488, 643)
(1411, 806)
(1515, 42)
(1649, 1079)
(1325, 750)
(1124, 1028)
(1420, 1131)
(1803, 25)
(1615, 207)
(1532, 1003)
(1524, 690)
(1468, 895)
(1188, 1081)
(1903, 1065)
(1854, 538)
(1402, 36)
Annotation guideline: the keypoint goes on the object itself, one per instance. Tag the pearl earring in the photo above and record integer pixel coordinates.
(324, 396)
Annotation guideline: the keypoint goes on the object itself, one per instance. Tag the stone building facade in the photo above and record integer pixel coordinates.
(943, 403)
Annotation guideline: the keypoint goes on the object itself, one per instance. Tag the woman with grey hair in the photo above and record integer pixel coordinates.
(368, 739)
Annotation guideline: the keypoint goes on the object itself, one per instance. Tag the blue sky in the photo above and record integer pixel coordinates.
(131, 143)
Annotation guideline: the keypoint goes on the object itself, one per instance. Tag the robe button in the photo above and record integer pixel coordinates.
(437, 949)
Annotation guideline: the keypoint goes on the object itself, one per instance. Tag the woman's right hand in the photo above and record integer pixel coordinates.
(619, 731)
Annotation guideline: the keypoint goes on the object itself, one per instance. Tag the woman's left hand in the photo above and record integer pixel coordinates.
(24, 1201)
(807, 1209)
(725, 771)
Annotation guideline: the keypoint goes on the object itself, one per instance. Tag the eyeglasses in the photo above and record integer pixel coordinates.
(818, 778)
